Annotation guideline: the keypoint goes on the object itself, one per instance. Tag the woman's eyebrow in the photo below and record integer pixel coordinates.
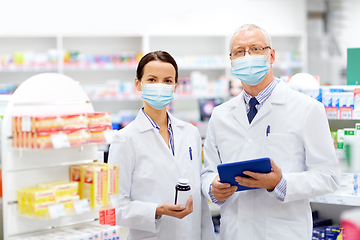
(151, 76)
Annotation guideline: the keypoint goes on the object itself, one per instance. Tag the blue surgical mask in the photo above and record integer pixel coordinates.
(250, 69)
(157, 95)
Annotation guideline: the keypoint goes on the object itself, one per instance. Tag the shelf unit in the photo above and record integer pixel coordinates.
(338, 200)
(204, 53)
(44, 94)
(331, 205)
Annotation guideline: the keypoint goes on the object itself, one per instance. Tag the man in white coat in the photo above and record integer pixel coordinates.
(267, 119)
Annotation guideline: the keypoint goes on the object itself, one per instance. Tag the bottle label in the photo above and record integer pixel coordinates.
(181, 197)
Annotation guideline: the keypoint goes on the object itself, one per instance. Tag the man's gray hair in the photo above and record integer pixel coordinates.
(249, 27)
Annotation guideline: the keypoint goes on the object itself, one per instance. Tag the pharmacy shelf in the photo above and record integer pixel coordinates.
(34, 69)
(177, 97)
(81, 209)
(44, 94)
(101, 67)
(192, 52)
(342, 123)
(338, 200)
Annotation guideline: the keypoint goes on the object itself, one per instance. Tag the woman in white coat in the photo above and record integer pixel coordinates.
(154, 152)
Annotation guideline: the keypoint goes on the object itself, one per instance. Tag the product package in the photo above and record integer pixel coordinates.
(95, 184)
(62, 188)
(97, 134)
(113, 172)
(34, 201)
(99, 119)
(318, 233)
(334, 232)
(38, 131)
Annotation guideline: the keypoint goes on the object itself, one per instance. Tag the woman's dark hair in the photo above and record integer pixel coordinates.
(161, 56)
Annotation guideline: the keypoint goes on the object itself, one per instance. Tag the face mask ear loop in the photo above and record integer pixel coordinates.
(269, 56)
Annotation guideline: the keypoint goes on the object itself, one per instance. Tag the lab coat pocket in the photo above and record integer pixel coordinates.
(278, 229)
(281, 148)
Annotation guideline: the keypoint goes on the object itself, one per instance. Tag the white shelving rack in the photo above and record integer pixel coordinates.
(43, 94)
(331, 205)
(206, 53)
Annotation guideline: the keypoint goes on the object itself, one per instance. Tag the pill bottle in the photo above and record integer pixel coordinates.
(182, 192)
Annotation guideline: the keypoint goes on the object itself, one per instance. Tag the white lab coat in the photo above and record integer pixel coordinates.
(300, 144)
(148, 176)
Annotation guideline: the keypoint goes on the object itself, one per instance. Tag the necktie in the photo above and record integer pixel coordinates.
(251, 114)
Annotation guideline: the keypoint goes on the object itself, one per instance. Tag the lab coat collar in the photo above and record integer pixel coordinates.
(144, 124)
(278, 96)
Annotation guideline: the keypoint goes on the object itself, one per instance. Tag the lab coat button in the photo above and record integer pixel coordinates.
(250, 140)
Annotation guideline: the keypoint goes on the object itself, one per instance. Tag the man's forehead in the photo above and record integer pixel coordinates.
(249, 36)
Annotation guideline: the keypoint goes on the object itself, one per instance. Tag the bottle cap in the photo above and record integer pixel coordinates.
(183, 181)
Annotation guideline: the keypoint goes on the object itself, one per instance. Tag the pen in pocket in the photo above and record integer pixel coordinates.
(190, 152)
(268, 130)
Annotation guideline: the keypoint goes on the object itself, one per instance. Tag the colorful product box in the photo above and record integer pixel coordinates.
(36, 124)
(22, 201)
(113, 172)
(62, 188)
(31, 200)
(76, 175)
(318, 232)
(357, 99)
(93, 230)
(40, 209)
(74, 121)
(346, 113)
(67, 200)
(49, 123)
(97, 134)
(38, 195)
(99, 119)
(334, 233)
(95, 185)
(78, 137)
(332, 112)
(43, 140)
(36, 131)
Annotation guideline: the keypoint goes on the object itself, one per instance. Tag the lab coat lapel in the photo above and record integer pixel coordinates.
(264, 110)
(142, 122)
(178, 134)
(278, 96)
(144, 125)
(240, 111)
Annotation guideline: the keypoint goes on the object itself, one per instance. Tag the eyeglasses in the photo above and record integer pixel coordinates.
(256, 50)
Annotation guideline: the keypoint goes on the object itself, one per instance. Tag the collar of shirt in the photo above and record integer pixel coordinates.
(171, 143)
(262, 96)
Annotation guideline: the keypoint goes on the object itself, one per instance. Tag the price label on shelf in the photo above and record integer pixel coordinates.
(332, 112)
(56, 211)
(115, 200)
(346, 112)
(81, 206)
(340, 201)
(60, 140)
